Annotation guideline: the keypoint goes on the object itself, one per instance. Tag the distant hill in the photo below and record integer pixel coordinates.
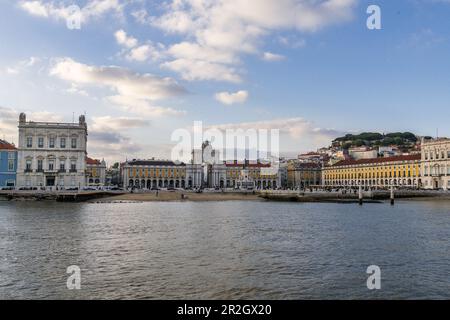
(375, 139)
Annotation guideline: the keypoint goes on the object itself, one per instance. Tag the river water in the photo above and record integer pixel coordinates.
(224, 250)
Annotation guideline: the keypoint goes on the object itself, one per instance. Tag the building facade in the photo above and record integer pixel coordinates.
(304, 174)
(95, 172)
(8, 164)
(250, 174)
(436, 163)
(51, 155)
(148, 174)
(403, 171)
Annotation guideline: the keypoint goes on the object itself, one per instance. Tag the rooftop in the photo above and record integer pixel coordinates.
(5, 145)
(412, 157)
(92, 161)
(154, 163)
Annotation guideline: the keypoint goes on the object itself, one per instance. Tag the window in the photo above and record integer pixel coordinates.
(40, 165)
(40, 142)
(73, 165)
(11, 155)
(74, 143)
(63, 143)
(51, 142)
(51, 165)
(29, 142)
(62, 166)
(28, 165)
(10, 183)
(11, 165)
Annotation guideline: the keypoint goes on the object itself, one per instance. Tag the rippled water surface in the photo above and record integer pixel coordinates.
(224, 250)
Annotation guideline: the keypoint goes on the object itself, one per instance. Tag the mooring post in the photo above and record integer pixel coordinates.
(360, 196)
(392, 196)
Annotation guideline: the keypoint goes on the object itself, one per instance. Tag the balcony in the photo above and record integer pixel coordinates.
(27, 170)
(73, 170)
(40, 170)
(62, 171)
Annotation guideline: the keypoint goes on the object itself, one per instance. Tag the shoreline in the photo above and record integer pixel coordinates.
(188, 196)
(176, 196)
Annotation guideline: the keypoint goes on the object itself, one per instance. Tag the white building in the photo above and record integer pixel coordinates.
(358, 153)
(51, 154)
(435, 167)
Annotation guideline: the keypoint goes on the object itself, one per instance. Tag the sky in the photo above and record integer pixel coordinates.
(141, 69)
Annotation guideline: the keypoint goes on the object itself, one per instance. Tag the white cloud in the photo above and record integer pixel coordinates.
(216, 34)
(232, 98)
(269, 56)
(141, 16)
(58, 11)
(108, 138)
(202, 70)
(22, 65)
(123, 39)
(144, 53)
(9, 118)
(143, 107)
(10, 70)
(292, 41)
(75, 90)
(135, 92)
(135, 52)
(109, 123)
(296, 128)
(35, 8)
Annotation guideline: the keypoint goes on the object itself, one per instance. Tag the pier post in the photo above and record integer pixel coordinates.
(360, 195)
(392, 196)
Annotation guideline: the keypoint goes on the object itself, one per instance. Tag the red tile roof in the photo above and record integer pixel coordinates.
(4, 145)
(351, 162)
(308, 165)
(92, 161)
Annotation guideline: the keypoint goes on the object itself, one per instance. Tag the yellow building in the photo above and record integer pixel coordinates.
(154, 174)
(95, 172)
(401, 171)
